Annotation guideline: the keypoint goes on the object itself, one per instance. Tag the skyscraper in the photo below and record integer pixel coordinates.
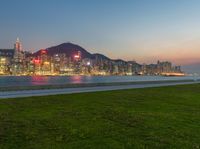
(18, 58)
(18, 45)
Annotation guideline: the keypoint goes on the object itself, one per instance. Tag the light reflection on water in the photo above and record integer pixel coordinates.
(76, 79)
(52, 80)
(39, 80)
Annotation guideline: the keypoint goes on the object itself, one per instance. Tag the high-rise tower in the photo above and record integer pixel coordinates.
(18, 45)
(18, 58)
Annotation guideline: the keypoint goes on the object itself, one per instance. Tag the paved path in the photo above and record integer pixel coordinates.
(30, 93)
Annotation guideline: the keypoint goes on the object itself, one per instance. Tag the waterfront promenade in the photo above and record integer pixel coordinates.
(71, 90)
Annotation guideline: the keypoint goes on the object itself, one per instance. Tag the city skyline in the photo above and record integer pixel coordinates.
(141, 30)
(69, 59)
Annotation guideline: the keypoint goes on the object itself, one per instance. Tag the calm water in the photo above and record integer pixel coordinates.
(51, 80)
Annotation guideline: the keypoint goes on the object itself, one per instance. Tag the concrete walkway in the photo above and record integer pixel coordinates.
(45, 92)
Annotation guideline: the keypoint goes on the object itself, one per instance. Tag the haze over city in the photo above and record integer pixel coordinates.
(140, 29)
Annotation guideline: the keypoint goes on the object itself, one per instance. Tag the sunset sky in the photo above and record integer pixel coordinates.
(141, 30)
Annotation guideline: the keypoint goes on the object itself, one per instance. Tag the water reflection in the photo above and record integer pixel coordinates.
(80, 79)
(76, 79)
(52, 80)
(39, 80)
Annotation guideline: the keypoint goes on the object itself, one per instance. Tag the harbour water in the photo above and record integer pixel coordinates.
(7, 81)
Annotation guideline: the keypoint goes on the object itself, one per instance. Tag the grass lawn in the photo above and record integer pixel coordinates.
(165, 117)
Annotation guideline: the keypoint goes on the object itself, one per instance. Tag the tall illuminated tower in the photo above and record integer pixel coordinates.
(18, 58)
(18, 45)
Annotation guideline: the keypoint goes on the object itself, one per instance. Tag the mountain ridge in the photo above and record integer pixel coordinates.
(71, 49)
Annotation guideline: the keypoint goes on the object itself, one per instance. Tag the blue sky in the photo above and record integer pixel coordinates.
(143, 30)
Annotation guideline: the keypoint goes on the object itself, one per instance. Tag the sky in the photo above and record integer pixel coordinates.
(140, 30)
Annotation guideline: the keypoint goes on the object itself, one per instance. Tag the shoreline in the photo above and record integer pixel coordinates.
(89, 89)
(161, 75)
(82, 85)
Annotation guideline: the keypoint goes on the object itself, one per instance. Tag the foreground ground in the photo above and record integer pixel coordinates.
(165, 117)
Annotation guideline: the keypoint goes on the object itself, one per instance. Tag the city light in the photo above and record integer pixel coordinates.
(37, 61)
(46, 63)
(76, 56)
(2, 59)
(16, 62)
(43, 51)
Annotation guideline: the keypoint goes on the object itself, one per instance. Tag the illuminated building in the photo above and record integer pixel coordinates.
(77, 63)
(86, 66)
(164, 67)
(45, 62)
(66, 65)
(18, 59)
(116, 70)
(30, 66)
(6, 56)
(129, 71)
(41, 63)
(56, 63)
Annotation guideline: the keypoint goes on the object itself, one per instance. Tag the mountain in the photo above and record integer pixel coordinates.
(120, 61)
(70, 50)
(100, 56)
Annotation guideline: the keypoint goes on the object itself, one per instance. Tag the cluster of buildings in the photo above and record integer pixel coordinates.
(18, 62)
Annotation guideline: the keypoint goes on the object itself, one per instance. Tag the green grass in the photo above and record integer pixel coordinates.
(165, 117)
